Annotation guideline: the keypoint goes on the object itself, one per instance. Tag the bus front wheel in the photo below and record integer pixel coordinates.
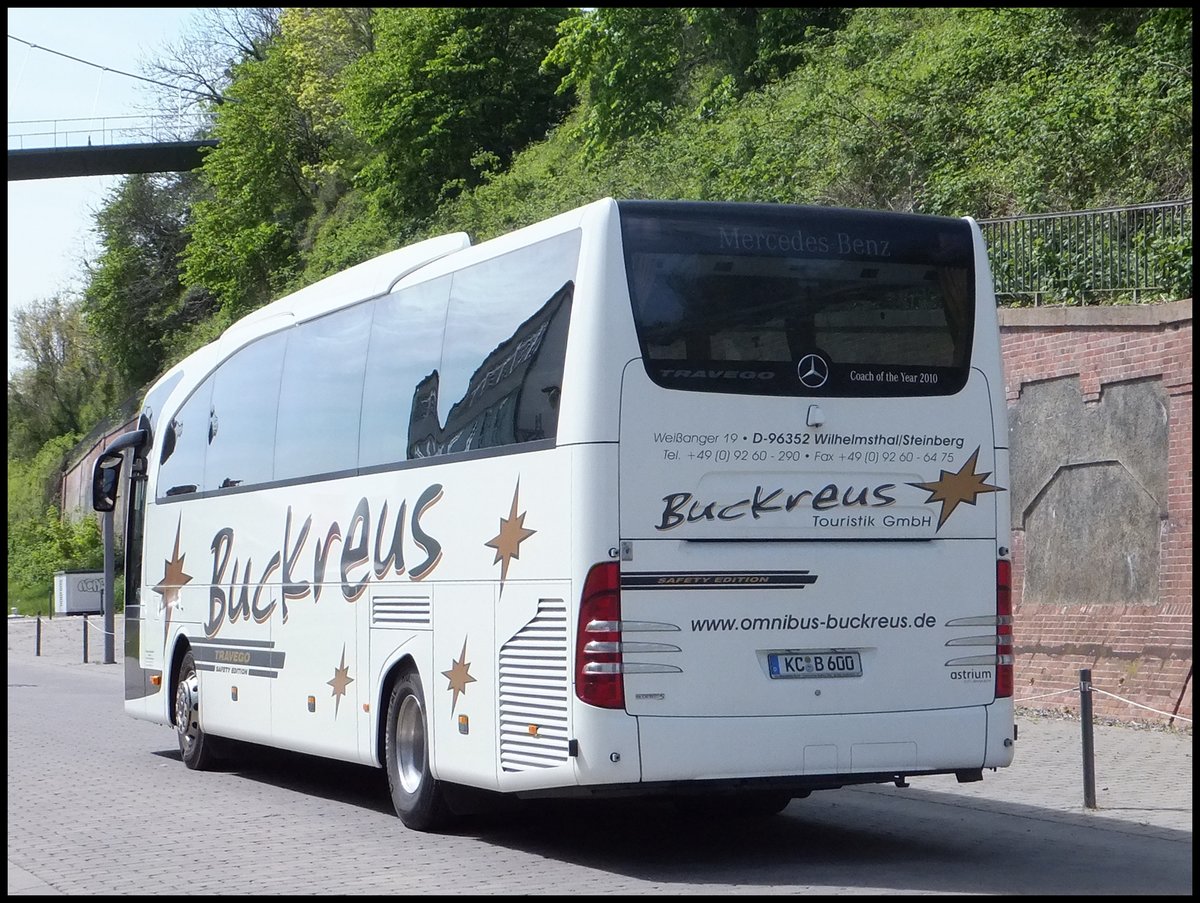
(417, 797)
(195, 747)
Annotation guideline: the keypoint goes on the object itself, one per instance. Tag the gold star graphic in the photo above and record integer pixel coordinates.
(459, 676)
(952, 488)
(173, 575)
(341, 680)
(173, 580)
(513, 532)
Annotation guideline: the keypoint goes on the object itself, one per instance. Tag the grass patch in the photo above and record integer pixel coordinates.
(39, 599)
(30, 600)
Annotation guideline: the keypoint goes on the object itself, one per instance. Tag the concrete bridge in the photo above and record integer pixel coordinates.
(63, 148)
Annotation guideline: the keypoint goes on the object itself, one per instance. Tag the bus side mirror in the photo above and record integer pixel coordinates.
(106, 476)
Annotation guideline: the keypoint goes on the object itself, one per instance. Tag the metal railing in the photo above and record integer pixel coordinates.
(1114, 255)
(107, 130)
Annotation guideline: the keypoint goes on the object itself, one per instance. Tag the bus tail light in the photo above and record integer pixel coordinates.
(1004, 629)
(598, 679)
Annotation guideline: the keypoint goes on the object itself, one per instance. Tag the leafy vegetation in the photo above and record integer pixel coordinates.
(448, 95)
(345, 132)
(136, 279)
(64, 386)
(40, 541)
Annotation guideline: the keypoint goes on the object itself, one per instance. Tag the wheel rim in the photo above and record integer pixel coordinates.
(187, 709)
(410, 744)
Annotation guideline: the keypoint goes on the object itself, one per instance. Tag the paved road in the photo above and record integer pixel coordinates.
(99, 803)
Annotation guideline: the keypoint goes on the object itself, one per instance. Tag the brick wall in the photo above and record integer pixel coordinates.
(1141, 653)
(76, 488)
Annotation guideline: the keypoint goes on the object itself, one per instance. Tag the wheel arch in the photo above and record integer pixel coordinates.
(402, 665)
(179, 648)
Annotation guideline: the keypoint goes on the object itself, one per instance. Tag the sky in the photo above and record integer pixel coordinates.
(50, 221)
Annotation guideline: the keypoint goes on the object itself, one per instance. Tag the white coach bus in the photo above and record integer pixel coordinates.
(701, 501)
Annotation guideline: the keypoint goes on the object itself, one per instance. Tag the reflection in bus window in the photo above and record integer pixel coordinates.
(184, 444)
(491, 304)
(242, 424)
(404, 350)
(320, 401)
(512, 397)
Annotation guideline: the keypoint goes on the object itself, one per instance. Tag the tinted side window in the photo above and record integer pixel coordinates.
(402, 360)
(321, 398)
(241, 431)
(184, 443)
(152, 406)
(502, 360)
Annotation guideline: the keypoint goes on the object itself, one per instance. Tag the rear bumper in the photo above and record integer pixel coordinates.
(824, 747)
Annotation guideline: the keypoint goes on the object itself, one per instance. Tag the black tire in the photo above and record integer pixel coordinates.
(195, 747)
(418, 798)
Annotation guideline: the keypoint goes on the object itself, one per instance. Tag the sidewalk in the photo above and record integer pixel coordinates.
(1142, 773)
(62, 638)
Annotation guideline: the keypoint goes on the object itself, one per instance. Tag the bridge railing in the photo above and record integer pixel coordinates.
(106, 131)
(1114, 255)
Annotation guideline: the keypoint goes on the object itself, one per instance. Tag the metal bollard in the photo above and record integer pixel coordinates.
(1089, 754)
(37, 643)
(85, 638)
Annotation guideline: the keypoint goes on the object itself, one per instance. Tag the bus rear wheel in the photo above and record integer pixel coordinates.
(195, 747)
(416, 796)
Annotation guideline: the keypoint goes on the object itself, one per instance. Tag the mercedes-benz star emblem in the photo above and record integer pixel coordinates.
(813, 371)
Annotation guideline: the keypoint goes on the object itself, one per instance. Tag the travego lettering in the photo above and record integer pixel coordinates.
(718, 374)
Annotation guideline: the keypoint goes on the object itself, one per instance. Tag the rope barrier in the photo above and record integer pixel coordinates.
(1140, 706)
(100, 630)
(1096, 689)
(1044, 695)
(108, 652)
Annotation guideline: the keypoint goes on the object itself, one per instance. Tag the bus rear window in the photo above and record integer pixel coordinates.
(782, 300)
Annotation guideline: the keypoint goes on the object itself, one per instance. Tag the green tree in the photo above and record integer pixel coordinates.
(62, 387)
(980, 111)
(195, 70)
(625, 65)
(448, 96)
(750, 47)
(285, 160)
(639, 71)
(135, 279)
(319, 44)
(244, 234)
(345, 229)
(40, 542)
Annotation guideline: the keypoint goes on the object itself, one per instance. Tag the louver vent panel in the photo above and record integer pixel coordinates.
(401, 612)
(533, 692)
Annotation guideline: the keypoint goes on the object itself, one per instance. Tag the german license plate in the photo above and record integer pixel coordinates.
(826, 663)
